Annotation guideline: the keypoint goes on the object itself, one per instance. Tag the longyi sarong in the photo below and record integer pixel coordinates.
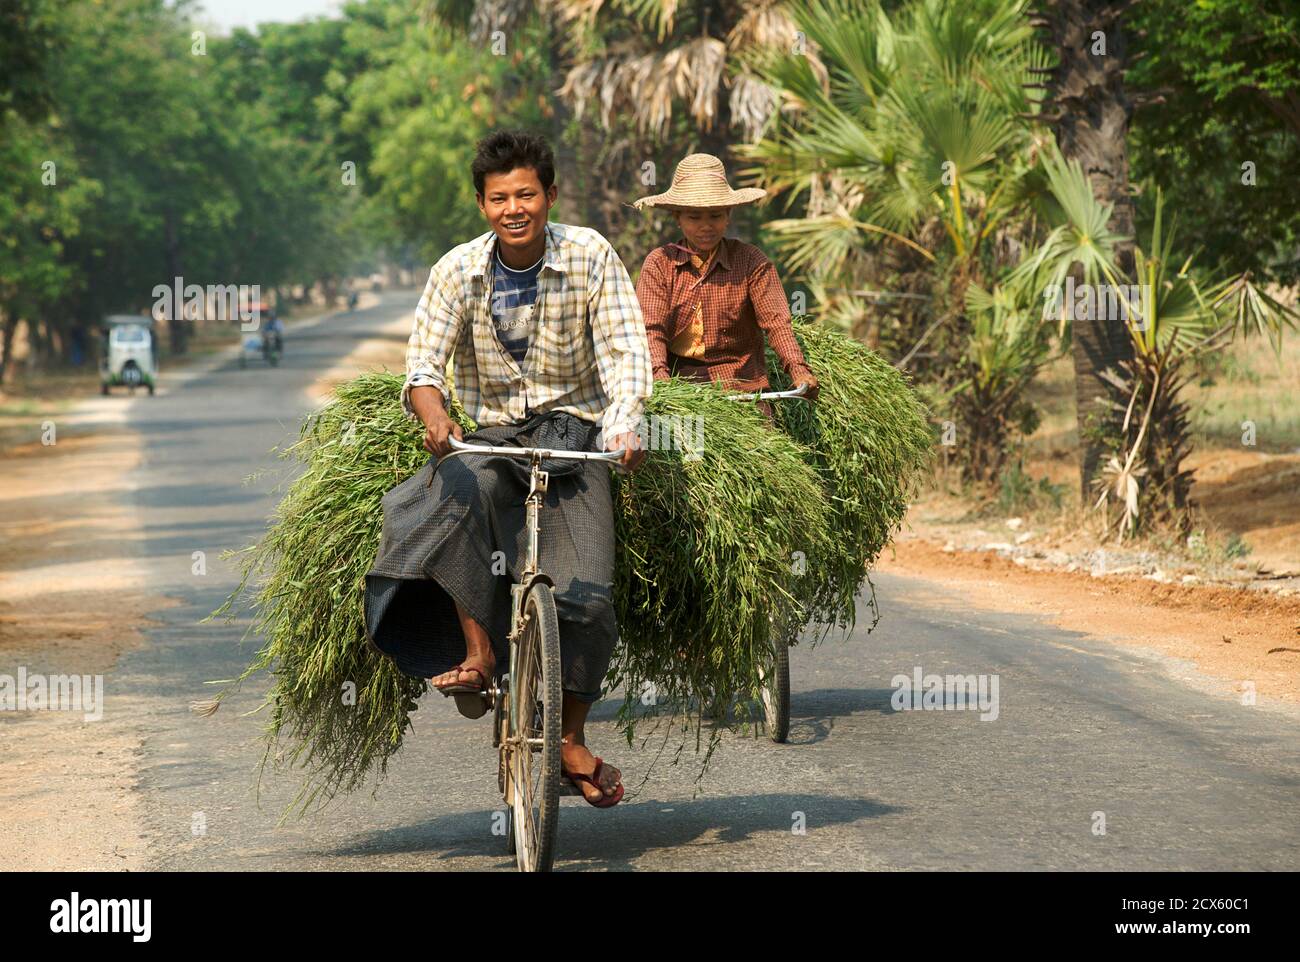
(463, 536)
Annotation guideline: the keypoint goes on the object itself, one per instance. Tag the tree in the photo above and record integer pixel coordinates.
(39, 217)
(1179, 315)
(423, 104)
(910, 141)
(1224, 139)
(1090, 110)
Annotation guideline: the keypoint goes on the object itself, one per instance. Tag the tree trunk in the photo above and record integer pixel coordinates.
(572, 196)
(172, 258)
(1088, 90)
(7, 342)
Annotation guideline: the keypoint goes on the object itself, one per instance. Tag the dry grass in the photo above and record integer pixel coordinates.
(1249, 382)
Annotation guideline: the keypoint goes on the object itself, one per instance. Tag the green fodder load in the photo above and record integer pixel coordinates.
(309, 576)
(869, 438)
(707, 528)
(727, 526)
(711, 546)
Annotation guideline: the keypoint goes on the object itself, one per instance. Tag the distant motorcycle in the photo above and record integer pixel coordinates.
(269, 346)
(352, 301)
(272, 347)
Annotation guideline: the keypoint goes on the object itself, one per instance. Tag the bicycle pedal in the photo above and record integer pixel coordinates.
(471, 704)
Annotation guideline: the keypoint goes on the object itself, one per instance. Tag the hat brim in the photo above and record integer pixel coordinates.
(669, 201)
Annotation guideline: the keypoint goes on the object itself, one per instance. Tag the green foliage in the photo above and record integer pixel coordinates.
(226, 164)
(1183, 313)
(31, 31)
(1229, 72)
(709, 555)
(309, 573)
(868, 437)
(428, 96)
(1017, 491)
(922, 178)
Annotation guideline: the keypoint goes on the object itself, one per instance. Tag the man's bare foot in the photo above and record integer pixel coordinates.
(462, 675)
(576, 758)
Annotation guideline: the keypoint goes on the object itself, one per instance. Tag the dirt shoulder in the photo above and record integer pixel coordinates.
(73, 600)
(1231, 635)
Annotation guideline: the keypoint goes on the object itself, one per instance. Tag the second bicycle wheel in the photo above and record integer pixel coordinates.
(776, 695)
(534, 737)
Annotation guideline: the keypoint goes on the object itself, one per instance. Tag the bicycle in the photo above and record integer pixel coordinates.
(526, 700)
(775, 693)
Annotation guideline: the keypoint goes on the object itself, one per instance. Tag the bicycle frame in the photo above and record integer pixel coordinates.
(538, 481)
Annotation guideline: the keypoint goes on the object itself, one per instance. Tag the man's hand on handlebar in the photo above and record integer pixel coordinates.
(439, 427)
(630, 443)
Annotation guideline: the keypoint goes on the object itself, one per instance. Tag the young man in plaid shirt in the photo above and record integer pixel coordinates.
(549, 351)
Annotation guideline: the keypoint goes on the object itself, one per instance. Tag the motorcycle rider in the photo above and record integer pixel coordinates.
(273, 332)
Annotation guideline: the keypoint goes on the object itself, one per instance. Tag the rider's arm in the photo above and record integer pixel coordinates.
(438, 324)
(652, 293)
(772, 312)
(427, 402)
(619, 337)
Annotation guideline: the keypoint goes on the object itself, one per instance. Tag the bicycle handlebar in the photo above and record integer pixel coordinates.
(800, 393)
(460, 447)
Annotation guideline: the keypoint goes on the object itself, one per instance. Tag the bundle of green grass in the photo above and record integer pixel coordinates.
(726, 530)
(868, 436)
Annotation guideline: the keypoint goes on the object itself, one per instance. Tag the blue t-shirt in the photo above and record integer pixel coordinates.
(514, 296)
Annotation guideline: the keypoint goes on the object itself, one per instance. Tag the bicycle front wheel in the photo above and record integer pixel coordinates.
(533, 741)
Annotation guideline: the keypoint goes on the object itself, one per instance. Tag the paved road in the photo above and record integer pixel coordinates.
(1185, 780)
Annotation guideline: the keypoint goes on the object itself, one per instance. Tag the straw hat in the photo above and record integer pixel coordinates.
(700, 181)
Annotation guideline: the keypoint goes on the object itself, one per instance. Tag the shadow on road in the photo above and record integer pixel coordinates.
(616, 839)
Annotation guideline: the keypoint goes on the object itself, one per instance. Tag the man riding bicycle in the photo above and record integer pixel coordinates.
(550, 352)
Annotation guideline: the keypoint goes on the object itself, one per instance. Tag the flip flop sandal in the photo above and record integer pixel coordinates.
(471, 700)
(593, 779)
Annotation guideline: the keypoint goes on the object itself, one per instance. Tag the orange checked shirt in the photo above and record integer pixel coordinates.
(709, 319)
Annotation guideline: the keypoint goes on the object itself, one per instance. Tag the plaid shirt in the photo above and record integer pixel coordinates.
(587, 350)
(738, 298)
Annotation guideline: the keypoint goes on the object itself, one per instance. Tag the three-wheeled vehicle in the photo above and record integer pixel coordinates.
(129, 354)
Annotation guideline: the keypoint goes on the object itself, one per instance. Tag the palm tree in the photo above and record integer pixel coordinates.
(907, 143)
(1090, 111)
(1181, 316)
(694, 59)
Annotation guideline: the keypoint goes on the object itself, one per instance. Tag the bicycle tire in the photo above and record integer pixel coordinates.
(535, 714)
(776, 695)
